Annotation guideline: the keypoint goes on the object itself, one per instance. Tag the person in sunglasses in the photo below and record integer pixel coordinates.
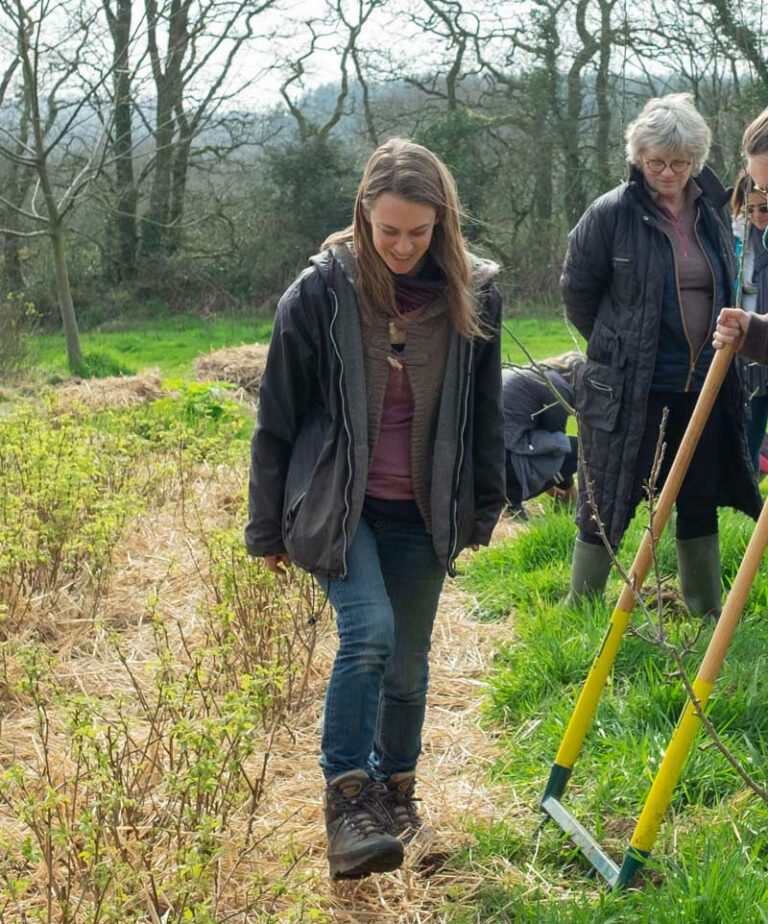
(750, 220)
(648, 268)
(749, 329)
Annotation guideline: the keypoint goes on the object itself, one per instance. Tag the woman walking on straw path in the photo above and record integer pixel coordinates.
(649, 266)
(377, 457)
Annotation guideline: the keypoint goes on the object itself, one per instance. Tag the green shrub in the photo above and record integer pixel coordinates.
(66, 493)
(17, 316)
(100, 364)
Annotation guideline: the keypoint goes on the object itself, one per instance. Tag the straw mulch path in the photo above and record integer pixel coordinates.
(159, 559)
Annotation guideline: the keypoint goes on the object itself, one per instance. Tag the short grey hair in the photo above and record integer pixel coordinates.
(670, 123)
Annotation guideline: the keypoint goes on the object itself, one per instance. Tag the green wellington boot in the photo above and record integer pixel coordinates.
(589, 572)
(698, 561)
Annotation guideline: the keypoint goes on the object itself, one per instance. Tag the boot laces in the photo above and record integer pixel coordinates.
(364, 810)
(402, 807)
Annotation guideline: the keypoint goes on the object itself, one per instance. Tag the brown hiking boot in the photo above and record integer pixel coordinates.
(400, 803)
(358, 841)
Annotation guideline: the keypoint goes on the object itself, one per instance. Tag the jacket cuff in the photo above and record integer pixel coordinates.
(755, 343)
(481, 536)
(261, 549)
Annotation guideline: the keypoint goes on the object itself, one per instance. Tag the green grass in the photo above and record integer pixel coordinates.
(169, 344)
(541, 337)
(172, 343)
(710, 861)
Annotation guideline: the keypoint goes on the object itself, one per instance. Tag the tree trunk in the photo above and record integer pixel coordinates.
(55, 225)
(603, 133)
(14, 278)
(542, 90)
(124, 239)
(156, 219)
(64, 296)
(169, 86)
(179, 188)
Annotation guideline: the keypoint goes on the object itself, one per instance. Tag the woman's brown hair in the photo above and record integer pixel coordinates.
(413, 173)
(754, 141)
(739, 194)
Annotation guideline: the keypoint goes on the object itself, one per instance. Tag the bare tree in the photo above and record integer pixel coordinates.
(51, 38)
(203, 39)
(16, 180)
(122, 256)
(338, 29)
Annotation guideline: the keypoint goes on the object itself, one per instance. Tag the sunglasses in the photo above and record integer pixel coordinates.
(758, 189)
(763, 209)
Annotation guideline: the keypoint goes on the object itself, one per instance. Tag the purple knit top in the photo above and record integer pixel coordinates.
(389, 472)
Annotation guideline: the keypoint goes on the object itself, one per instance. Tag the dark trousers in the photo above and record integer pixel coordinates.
(697, 500)
(563, 479)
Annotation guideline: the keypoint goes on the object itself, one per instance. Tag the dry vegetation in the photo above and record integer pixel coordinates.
(114, 391)
(162, 693)
(242, 366)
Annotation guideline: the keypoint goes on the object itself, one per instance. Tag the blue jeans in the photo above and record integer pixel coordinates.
(758, 408)
(385, 609)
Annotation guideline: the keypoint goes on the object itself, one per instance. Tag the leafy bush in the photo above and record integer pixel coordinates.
(136, 796)
(141, 802)
(66, 492)
(17, 315)
(99, 364)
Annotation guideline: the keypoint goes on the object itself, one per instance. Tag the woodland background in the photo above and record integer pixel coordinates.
(189, 155)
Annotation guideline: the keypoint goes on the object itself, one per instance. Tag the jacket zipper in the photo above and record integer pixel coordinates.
(692, 358)
(457, 477)
(714, 287)
(347, 430)
(691, 364)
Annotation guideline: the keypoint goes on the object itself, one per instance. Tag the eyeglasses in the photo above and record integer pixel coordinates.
(655, 165)
(763, 209)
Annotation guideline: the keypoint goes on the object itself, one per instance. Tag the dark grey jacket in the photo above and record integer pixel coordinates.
(309, 453)
(613, 287)
(534, 437)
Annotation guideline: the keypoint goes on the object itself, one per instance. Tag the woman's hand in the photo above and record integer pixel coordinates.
(732, 324)
(278, 564)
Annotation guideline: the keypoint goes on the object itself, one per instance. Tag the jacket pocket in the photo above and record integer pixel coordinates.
(291, 512)
(604, 346)
(599, 390)
(624, 283)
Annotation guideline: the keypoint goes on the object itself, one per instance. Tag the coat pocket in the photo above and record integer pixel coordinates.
(624, 282)
(599, 390)
(292, 511)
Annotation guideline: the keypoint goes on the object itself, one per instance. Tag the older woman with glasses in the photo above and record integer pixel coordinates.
(649, 266)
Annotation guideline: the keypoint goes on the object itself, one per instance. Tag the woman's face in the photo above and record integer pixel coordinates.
(757, 166)
(666, 172)
(402, 232)
(757, 210)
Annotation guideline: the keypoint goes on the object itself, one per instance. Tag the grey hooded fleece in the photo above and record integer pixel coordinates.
(309, 452)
